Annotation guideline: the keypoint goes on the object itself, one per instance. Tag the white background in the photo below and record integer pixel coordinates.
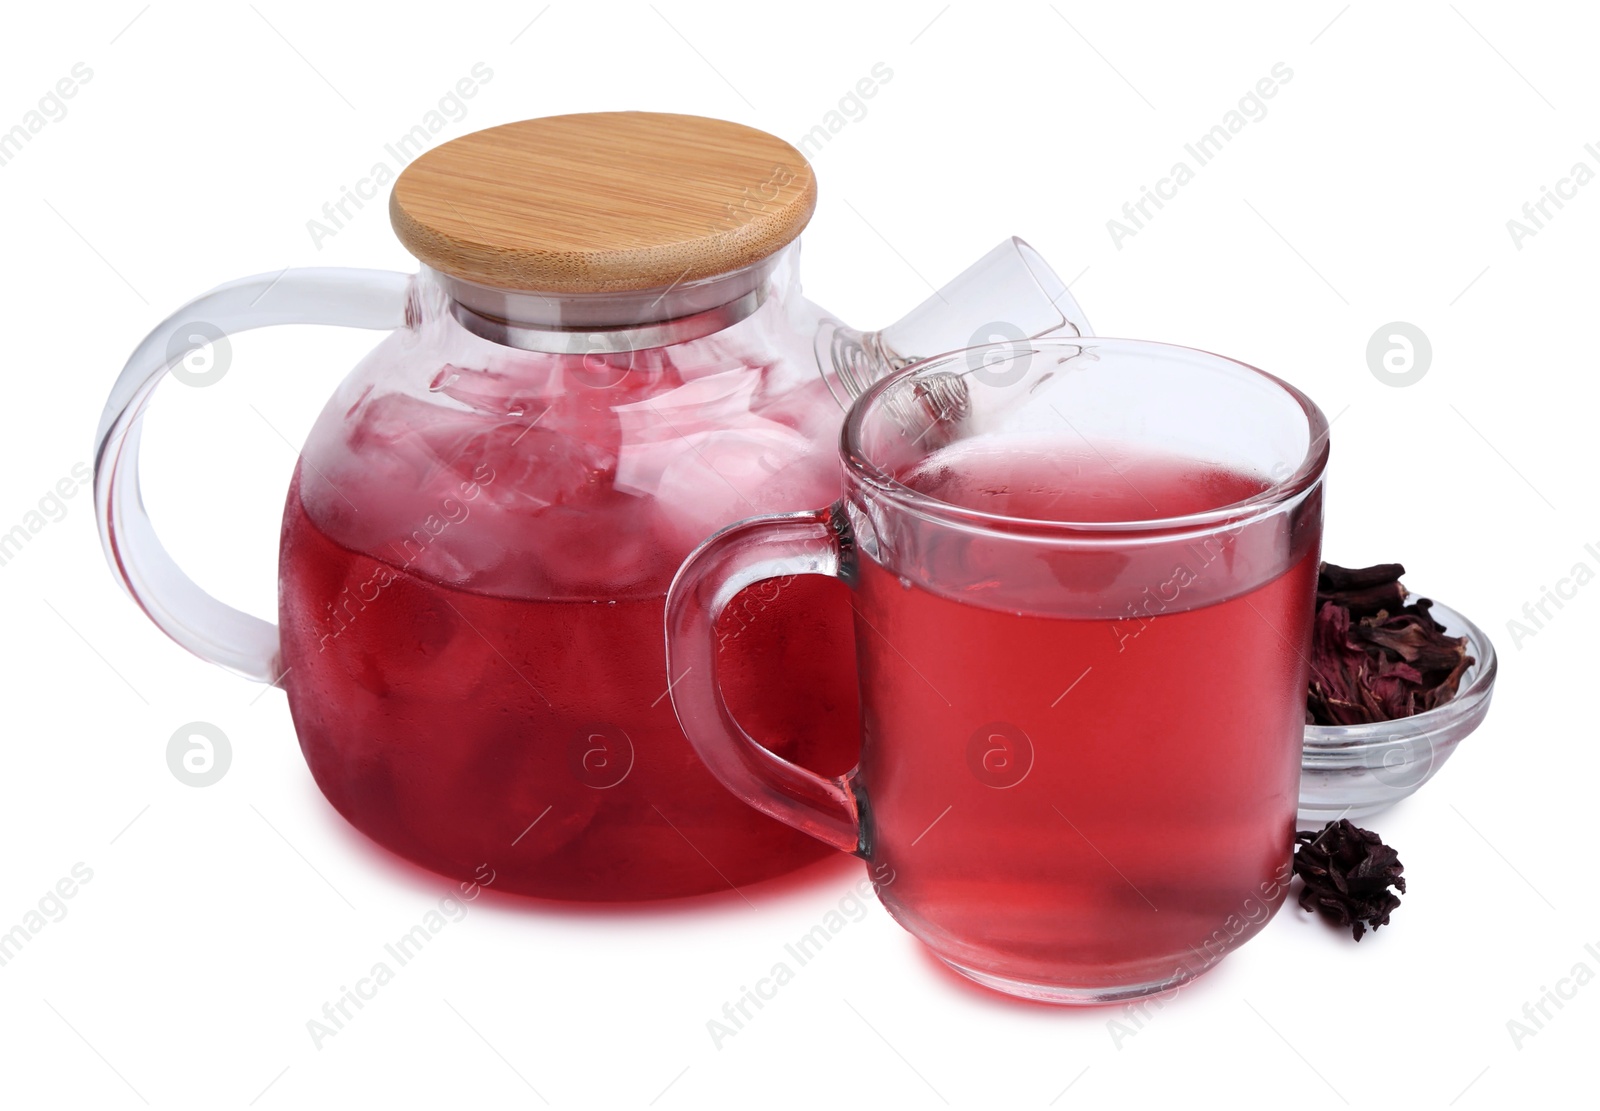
(1378, 188)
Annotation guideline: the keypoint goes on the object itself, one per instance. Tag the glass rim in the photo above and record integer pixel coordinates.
(861, 468)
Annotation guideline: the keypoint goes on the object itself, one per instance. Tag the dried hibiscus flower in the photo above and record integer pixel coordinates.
(1376, 652)
(1348, 872)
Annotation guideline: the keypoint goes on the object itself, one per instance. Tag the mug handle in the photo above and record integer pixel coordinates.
(809, 543)
(211, 629)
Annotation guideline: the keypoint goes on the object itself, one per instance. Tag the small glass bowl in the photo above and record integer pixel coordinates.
(1353, 771)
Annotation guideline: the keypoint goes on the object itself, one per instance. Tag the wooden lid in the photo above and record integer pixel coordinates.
(602, 201)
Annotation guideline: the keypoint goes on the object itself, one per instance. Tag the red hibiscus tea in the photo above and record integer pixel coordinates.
(1083, 575)
(479, 682)
(1124, 785)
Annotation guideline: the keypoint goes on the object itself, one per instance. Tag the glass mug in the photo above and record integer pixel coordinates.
(1083, 578)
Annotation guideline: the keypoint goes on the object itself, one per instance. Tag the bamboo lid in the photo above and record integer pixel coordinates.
(602, 201)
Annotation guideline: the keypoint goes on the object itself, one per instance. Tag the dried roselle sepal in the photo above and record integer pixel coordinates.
(1350, 684)
(1377, 653)
(1339, 689)
(1348, 872)
(1362, 590)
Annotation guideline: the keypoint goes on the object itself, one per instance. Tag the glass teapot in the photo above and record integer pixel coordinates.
(604, 358)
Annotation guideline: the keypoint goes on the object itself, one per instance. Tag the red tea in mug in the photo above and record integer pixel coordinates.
(1083, 575)
(1123, 785)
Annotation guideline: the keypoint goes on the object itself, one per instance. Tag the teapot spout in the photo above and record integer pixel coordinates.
(1009, 294)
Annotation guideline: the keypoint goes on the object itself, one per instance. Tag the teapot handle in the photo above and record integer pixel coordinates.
(205, 626)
